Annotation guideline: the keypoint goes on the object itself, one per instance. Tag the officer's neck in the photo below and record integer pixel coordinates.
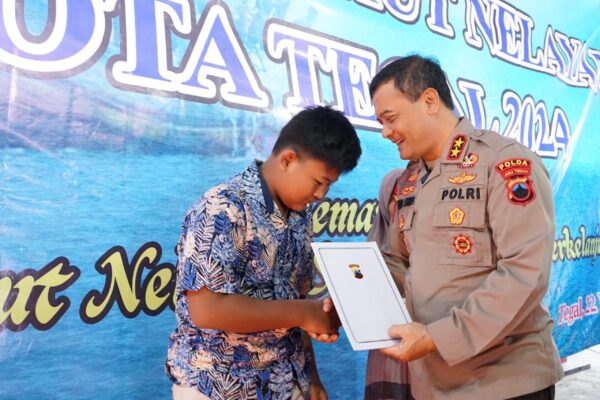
(429, 164)
(445, 123)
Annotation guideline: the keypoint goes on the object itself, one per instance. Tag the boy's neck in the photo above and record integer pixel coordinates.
(268, 171)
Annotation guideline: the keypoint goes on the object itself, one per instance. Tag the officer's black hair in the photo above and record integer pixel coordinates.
(324, 134)
(412, 75)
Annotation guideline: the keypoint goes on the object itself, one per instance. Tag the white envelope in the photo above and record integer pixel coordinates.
(363, 291)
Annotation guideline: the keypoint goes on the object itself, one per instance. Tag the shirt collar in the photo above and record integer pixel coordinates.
(257, 188)
(454, 151)
(267, 198)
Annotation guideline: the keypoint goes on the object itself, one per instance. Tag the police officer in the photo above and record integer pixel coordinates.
(470, 228)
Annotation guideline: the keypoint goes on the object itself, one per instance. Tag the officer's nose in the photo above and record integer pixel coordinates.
(386, 132)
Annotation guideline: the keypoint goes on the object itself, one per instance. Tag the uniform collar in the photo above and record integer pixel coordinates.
(455, 149)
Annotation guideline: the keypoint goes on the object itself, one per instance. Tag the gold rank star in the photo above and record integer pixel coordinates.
(459, 142)
(454, 152)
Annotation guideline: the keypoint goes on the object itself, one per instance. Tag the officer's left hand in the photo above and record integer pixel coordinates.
(415, 343)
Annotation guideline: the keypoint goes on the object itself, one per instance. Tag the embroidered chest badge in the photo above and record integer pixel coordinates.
(463, 244)
(469, 161)
(407, 190)
(355, 268)
(458, 145)
(457, 216)
(462, 178)
(394, 203)
(519, 187)
(401, 222)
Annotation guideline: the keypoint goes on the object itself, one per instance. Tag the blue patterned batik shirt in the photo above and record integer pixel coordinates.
(235, 241)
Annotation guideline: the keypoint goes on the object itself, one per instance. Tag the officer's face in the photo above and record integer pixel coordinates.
(405, 123)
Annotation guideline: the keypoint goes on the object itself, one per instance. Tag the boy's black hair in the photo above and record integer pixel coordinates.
(324, 134)
(412, 75)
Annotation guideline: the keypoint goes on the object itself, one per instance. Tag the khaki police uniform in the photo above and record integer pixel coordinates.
(471, 244)
(387, 378)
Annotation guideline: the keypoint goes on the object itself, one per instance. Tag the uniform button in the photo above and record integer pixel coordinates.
(479, 133)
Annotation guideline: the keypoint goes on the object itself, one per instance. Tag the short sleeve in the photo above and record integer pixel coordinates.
(209, 247)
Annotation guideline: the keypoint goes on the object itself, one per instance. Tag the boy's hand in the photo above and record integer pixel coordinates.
(317, 321)
(317, 391)
(327, 307)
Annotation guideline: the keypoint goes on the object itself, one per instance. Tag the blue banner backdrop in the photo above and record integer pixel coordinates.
(117, 115)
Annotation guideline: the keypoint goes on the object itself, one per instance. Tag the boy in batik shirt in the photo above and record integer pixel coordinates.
(245, 266)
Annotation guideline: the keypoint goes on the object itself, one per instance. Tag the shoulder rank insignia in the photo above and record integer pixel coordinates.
(458, 145)
(462, 178)
(516, 172)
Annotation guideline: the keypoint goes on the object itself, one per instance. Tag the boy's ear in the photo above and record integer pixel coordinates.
(286, 157)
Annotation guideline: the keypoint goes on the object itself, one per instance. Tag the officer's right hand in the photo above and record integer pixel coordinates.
(324, 323)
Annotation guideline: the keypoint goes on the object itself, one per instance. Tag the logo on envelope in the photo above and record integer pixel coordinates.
(355, 268)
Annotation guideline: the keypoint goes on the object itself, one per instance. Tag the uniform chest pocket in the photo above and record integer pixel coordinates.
(462, 234)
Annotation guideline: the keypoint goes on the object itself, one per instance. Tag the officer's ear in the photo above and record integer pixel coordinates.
(431, 100)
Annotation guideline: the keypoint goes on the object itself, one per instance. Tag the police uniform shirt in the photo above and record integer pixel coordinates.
(471, 241)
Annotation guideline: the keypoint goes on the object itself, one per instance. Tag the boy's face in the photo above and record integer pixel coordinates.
(303, 180)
